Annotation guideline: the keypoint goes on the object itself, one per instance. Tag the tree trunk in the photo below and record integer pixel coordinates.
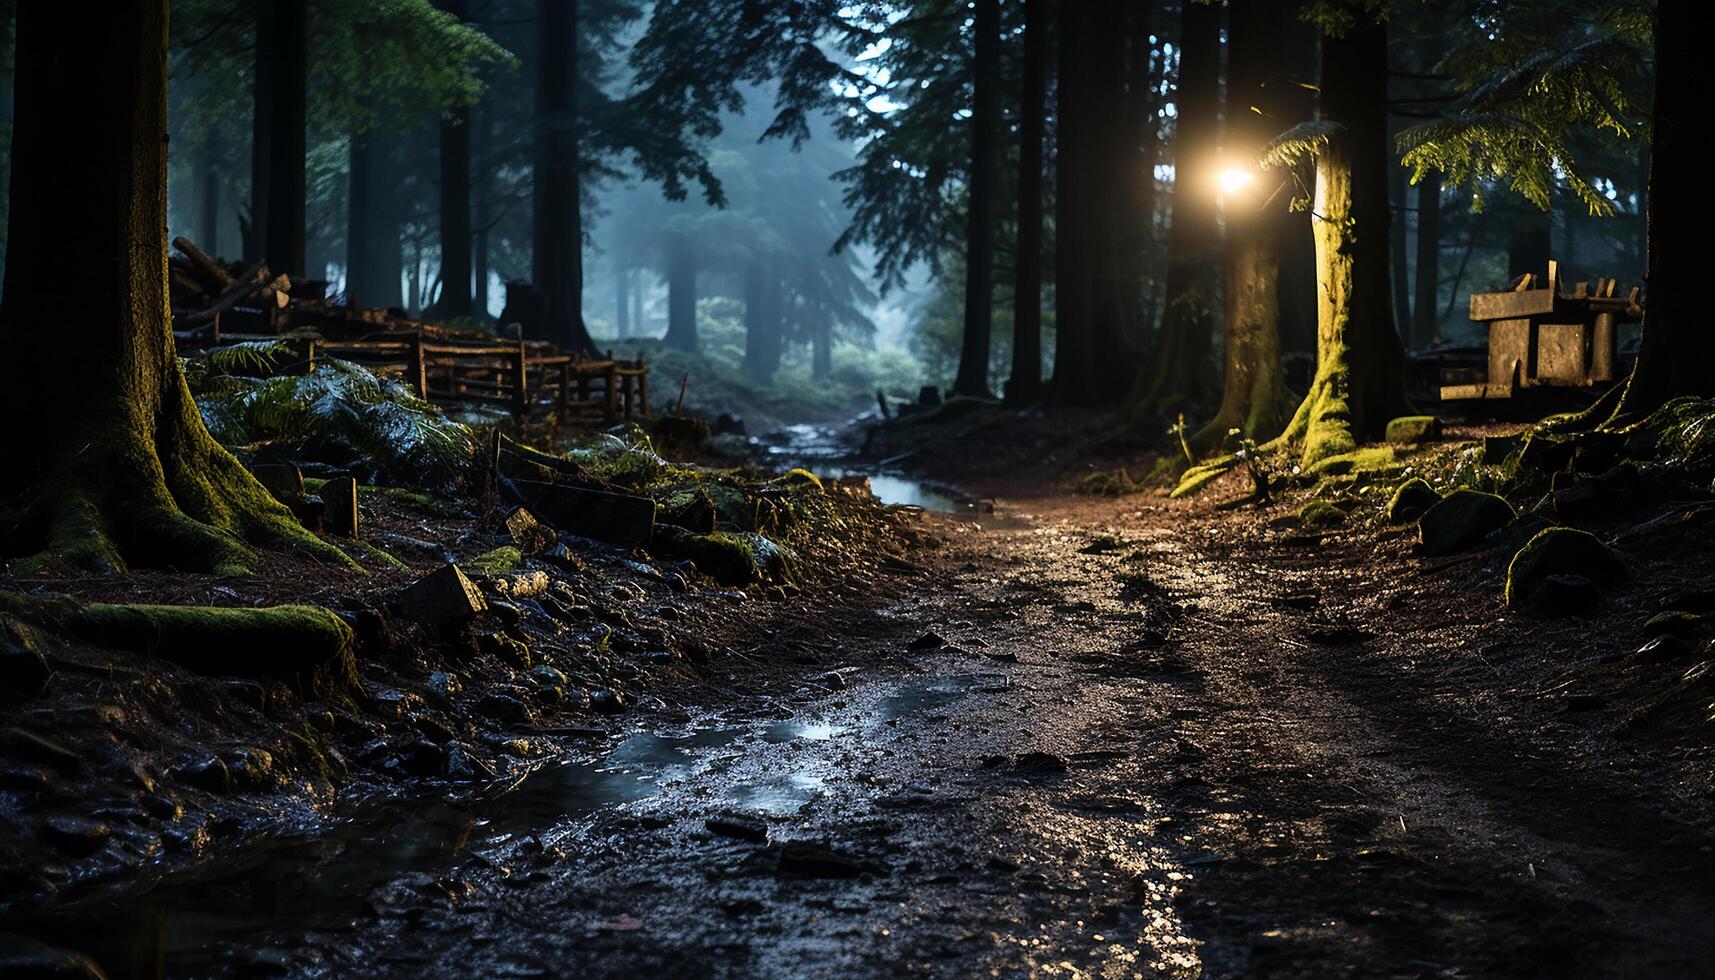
(1025, 384)
(208, 203)
(761, 356)
(681, 294)
(557, 236)
(622, 300)
(1427, 309)
(1678, 347)
(1180, 378)
(1300, 53)
(822, 351)
(1529, 247)
(1360, 363)
(455, 298)
(360, 207)
(480, 238)
(119, 471)
(1254, 399)
(1401, 262)
(278, 153)
(973, 376)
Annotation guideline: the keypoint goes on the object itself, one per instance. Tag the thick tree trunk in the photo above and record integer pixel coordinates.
(122, 472)
(1300, 53)
(1401, 262)
(1025, 384)
(455, 298)
(1678, 346)
(208, 203)
(681, 294)
(1254, 399)
(1427, 310)
(360, 206)
(1360, 363)
(1180, 375)
(480, 237)
(278, 153)
(973, 376)
(761, 356)
(557, 238)
(1528, 250)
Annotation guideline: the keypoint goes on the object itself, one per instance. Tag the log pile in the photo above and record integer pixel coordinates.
(216, 303)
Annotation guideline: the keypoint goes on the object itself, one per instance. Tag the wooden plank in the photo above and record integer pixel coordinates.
(616, 518)
(1560, 354)
(1508, 306)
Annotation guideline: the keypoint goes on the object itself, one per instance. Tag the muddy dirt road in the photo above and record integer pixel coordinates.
(1105, 739)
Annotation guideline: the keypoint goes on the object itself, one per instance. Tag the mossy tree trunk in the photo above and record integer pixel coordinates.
(1678, 346)
(1254, 398)
(108, 463)
(1360, 363)
(1179, 376)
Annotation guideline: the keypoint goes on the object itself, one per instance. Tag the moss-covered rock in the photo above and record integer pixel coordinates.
(1320, 515)
(730, 558)
(1674, 622)
(1409, 429)
(499, 561)
(1461, 521)
(1560, 551)
(1408, 503)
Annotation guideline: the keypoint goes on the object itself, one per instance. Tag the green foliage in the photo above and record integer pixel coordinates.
(377, 421)
(1533, 77)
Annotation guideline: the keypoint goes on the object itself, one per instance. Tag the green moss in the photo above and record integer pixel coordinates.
(728, 557)
(1413, 429)
(1320, 515)
(1203, 474)
(1560, 551)
(295, 641)
(498, 561)
(1461, 521)
(1368, 459)
(381, 556)
(1408, 503)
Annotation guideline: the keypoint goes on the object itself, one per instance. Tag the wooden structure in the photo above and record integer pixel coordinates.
(1545, 337)
(216, 303)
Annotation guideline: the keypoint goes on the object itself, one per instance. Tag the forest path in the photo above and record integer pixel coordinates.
(1137, 752)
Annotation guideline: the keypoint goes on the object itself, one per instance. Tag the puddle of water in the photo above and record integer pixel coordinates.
(812, 731)
(300, 887)
(933, 692)
(898, 490)
(780, 796)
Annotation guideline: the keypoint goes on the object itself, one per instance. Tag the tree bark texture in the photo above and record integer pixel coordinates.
(973, 372)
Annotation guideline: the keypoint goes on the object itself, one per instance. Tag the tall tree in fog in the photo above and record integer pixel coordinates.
(277, 151)
(455, 299)
(980, 210)
(121, 472)
(1025, 384)
(557, 241)
(1179, 376)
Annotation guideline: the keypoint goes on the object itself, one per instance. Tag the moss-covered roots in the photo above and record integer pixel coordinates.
(130, 487)
(306, 644)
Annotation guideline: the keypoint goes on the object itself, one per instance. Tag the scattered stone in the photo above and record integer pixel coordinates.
(1320, 515)
(1560, 552)
(209, 773)
(442, 686)
(339, 507)
(444, 597)
(833, 680)
(463, 766)
(1413, 497)
(695, 514)
(510, 651)
(503, 707)
(547, 676)
(928, 641)
(1661, 650)
(1039, 764)
(1578, 498)
(250, 768)
(1414, 429)
(1002, 865)
(616, 518)
(1674, 622)
(1564, 595)
(530, 535)
(605, 701)
(1101, 545)
(423, 758)
(75, 835)
(1496, 449)
(1460, 521)
(738, 828)
(283, 481)
(815, 859)
(246, 692)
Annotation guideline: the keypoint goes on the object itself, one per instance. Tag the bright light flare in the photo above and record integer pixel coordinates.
(1234, 179)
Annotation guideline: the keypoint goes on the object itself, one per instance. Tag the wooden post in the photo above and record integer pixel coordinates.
(625, 386)
(521, 382)
(643, 387)
(416, 371)
(565, 387)
(1604, 342)
(611, 397)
